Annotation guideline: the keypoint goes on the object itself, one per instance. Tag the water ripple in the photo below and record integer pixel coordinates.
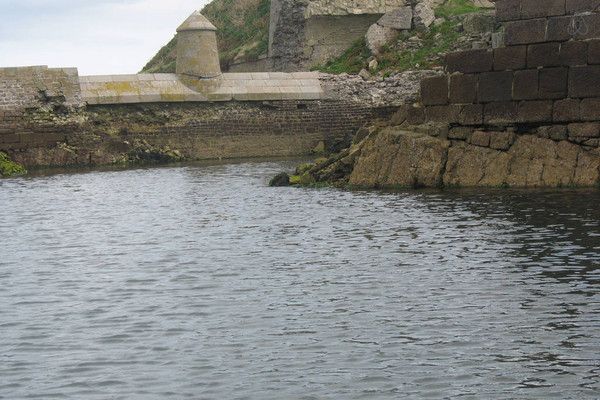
(199, 281)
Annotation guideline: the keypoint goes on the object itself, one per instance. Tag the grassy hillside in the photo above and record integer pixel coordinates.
(415, 50)
(242, 33)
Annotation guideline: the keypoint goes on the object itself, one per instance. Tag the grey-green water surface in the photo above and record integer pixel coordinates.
(202, 282)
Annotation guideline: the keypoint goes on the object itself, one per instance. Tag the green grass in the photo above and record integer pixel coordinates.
(9, 168)
(352, 61)
(238, 23)
(455, 7)
(391, 59)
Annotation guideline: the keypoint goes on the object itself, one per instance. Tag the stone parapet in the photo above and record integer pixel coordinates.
(157, 88)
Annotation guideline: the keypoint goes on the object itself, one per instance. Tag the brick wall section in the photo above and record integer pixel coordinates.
(101, 134)
(548, 69)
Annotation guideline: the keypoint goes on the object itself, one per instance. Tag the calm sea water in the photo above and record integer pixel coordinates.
(201, 282)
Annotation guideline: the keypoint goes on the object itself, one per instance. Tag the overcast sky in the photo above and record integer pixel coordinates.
(96, 36)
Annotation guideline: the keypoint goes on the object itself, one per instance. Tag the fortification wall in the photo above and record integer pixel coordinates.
(25, 89)
(527, 113)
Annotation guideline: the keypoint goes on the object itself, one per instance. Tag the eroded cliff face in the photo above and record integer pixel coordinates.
(393, 157)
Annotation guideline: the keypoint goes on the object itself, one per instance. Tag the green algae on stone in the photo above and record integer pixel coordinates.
(9, 168)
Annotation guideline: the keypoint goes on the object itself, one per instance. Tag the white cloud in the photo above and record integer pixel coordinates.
(101, 37)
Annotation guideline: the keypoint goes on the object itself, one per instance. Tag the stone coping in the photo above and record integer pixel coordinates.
(152, 88)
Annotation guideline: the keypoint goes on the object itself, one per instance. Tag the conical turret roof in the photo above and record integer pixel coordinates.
(196, 22)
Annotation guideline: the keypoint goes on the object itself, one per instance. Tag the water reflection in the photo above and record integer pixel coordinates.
(202, 282)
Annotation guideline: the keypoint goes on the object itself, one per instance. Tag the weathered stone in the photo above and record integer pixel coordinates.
(558, 29)
(530, 161)
(508, 10)
(510, 58)
(416, 116)
(397, 158)
(578, 6)
(423, 16)
(501, 140)
(500, 113)
(525, 32)
(444, 113)
(593, 55)
(497, 40)
(470, 61)
(463, 88)
(580, 79)
(535, 111)
(584, 129)
(526, 84)
(364, 74)
(543, 55)
(460, 132)
(377, 36)
(573, 53)
(533, 8)
(590, 109)
(434, 90)
(566, 110)
(399, 19)
(552, 83)
(480, 138)
(495, 86)
(480, 22)
(471, 114)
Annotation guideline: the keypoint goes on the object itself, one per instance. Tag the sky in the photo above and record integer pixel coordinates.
(98, 37)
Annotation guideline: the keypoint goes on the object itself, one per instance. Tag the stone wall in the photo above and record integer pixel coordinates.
(35, 88)
(105, 134)
(304, 34)
(538, 94)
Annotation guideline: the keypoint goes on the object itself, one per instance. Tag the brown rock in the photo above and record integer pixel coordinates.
(400, 158)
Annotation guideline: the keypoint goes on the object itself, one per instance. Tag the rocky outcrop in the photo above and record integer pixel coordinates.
(393, 157)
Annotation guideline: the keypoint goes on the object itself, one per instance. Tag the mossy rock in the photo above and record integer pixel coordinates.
(9, 168)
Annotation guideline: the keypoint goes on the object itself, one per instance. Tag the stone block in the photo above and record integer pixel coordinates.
(501, 140)
(470, 61)
(566, 110)
(583, 81)
(400, 116)
(590, 109)
(558, 29)
(572, 53)
(463, 88)
(578, 6)
(535, 111)
(534, 9)
(525, 32)
(558, 132)
(510, 58)
(500, 113)
(497, 40)
(471, 114)
(584, 130)
(508, 10)
(495, 87)
(593, 55)
(434, 90)
(553, 83)
(525, 84)
(460, 132)
(443, 113)
(415, 116)
(398, 18)
(543, 55)
(480, 138)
